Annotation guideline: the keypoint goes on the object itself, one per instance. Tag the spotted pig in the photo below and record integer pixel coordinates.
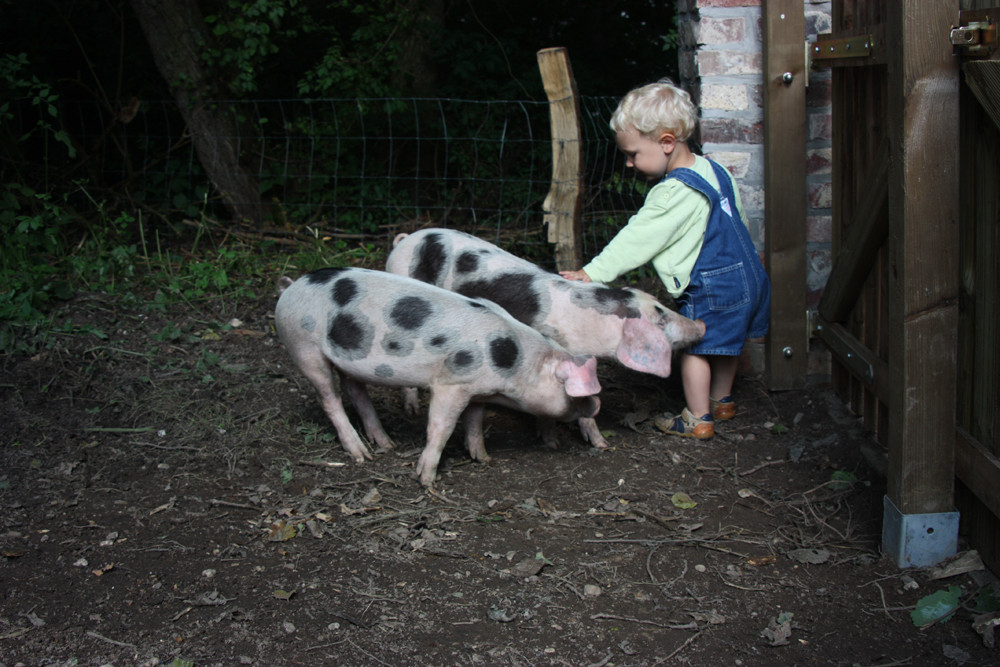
(372, 327)
(586, 318)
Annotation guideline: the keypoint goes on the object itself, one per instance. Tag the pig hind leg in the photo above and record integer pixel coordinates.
(319, 371)
(474, 439)
(369, 417)
(411, 401)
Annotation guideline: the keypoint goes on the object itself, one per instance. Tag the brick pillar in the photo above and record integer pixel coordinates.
(721, 64)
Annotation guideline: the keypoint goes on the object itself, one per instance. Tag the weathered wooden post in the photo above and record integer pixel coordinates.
(563, 204)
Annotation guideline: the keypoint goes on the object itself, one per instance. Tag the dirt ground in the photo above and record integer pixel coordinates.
(171, 492)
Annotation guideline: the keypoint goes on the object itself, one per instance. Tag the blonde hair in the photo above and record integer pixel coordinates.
(656, 108)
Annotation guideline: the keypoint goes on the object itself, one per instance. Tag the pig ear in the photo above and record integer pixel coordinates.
(579, 378)
(644, 347)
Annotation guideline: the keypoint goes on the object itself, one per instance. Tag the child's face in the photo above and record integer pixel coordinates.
(647, 156)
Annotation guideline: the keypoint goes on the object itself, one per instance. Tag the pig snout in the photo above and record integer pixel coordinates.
(682, 332)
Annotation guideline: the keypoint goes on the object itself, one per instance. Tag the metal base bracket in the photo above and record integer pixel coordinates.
(918, 540)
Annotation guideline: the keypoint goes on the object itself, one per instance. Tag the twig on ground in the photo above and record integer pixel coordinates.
(681, 647)
(110, 641)
(668, 626)
(226, 503)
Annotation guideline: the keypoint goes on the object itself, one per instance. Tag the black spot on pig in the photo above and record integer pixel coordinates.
(514, 292)
(430, 260)
(323, 276)
(464, 361)
(410, 312)
(351, 336)
(607, 301)
(397, 346)
(344, 291)
(442, 340)
(504, 355)
(467, 262)
(384, 371)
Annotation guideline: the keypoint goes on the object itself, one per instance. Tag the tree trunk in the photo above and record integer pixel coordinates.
(177, 34)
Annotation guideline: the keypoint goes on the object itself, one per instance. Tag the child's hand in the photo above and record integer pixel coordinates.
(575, 275)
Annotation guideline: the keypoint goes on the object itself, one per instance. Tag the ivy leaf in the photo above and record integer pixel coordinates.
(938, 606)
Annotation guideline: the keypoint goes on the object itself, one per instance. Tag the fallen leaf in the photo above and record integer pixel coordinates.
(281, 531)
(985, 624)
(283, 595)
(763, 560)
(683, 501)
(779, 630)
(810, 556)
(528, 567)
(967, 561)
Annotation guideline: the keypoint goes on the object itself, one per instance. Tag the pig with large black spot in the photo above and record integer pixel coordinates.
(586, 318)
(372, 327)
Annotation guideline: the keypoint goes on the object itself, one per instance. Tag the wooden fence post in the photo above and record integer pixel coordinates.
(787, 347)
(563, 204)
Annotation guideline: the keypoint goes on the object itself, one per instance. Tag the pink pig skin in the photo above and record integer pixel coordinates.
(586, 318)
(372, 327)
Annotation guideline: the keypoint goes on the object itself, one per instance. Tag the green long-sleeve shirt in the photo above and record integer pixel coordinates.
(668, 231)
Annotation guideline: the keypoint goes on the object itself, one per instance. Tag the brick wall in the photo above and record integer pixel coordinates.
(722, 64)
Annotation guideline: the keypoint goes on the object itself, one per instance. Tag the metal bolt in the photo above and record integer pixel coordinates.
(787, 351)
(787, 78)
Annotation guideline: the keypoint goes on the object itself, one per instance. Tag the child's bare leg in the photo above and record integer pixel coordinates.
(696, 374)
(723, 376)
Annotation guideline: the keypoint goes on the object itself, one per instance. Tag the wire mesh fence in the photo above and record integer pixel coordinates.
(360, 168)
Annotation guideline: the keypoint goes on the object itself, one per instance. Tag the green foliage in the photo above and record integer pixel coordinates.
(16, 83)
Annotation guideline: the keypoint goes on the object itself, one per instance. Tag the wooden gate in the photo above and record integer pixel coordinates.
(910, 309)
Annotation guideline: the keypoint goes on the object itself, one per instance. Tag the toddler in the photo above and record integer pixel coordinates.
(691, 228)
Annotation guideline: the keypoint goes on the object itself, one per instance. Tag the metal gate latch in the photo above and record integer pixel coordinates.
(975, 35)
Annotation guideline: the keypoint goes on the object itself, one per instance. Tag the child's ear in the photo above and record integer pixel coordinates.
(667, 140)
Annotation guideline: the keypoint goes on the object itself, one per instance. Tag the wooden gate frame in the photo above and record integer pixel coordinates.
(911, 201)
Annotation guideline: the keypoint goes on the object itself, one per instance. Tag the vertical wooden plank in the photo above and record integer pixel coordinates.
(784, 197)
(563, 204)
(922, 257)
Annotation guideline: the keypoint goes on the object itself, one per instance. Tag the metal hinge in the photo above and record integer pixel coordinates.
(976, 33)
(824, 50)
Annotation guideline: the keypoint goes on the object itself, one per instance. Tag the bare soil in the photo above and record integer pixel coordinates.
(172, 491)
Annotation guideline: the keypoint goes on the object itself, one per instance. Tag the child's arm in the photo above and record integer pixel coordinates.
(575, 275)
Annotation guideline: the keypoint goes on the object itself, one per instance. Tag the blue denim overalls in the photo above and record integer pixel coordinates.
(729, 289)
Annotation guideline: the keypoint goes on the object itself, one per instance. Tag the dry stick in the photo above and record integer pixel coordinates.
(698, 542)
(322, 646)
(885, 607)
(615, 617)
(680, 648)
(226, 503)
(110, 641)
(649, 557)
(368, 654)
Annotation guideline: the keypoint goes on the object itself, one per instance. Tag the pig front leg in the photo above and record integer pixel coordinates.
(592, 434)
(588, 429)
(320, 373)
(369, 417)
(447, 404)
